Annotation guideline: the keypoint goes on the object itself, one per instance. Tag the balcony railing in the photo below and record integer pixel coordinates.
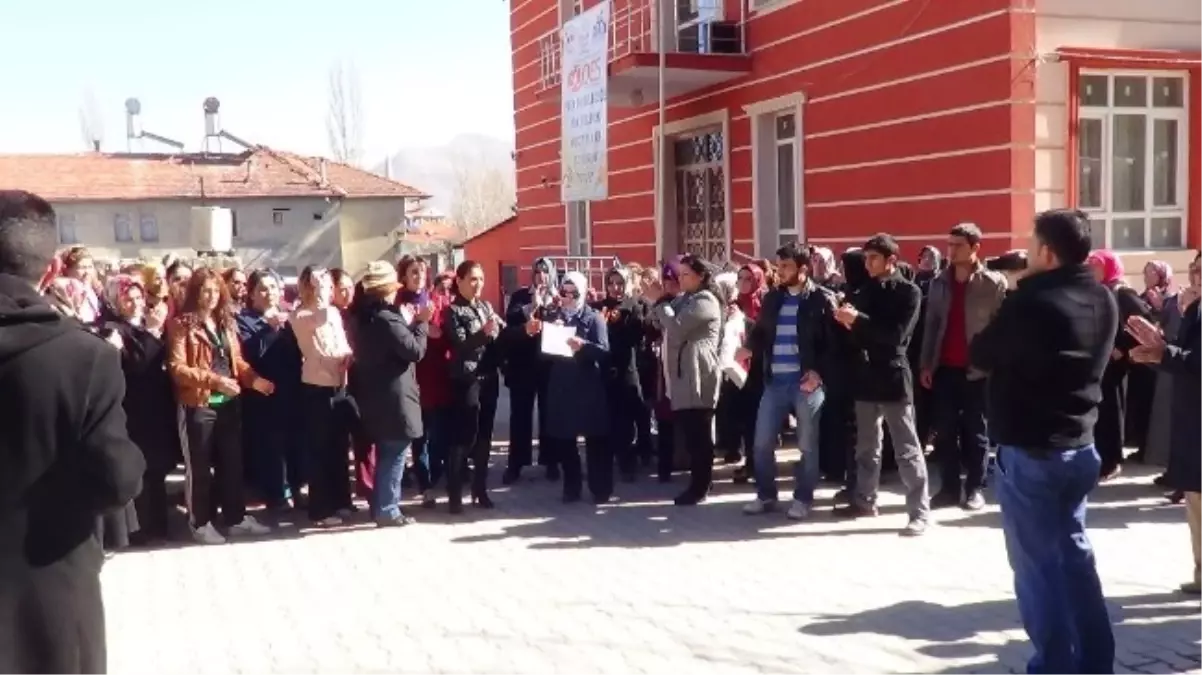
(694, 27)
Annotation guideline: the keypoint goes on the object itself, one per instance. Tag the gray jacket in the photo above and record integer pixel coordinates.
(983, 296)
(692, 326)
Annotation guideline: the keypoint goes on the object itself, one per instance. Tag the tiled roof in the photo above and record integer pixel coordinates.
(261, 172)
(430, 232)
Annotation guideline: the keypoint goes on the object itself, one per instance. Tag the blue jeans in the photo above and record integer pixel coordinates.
(778, 400)
(390, 464)
(1043, 499)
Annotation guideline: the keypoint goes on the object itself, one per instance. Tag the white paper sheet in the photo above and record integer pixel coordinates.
(555, 339)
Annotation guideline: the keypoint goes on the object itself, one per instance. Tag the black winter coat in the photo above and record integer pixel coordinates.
(384, 370)
(1184, 360)
(881, 335)
(65, 460)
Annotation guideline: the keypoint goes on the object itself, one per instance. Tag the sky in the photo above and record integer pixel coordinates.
(428, 70)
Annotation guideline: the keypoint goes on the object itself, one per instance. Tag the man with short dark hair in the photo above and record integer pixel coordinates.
(881, 317)
(1044, 354)
(961, 301)
(793, 336)
(67, 459)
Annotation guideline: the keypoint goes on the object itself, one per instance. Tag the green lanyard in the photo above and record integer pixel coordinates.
(218, 339)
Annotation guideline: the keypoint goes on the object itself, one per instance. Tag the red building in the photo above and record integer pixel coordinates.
(831, 120)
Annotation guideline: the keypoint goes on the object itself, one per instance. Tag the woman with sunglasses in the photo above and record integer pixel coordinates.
(691, 325)
(576, 400)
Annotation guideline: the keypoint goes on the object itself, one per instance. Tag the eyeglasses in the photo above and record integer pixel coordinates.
(568, 293)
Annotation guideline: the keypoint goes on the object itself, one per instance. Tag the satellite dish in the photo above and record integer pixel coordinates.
(212, 105)
(133, 106)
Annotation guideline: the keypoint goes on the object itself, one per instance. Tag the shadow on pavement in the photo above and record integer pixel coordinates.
(1158, 631)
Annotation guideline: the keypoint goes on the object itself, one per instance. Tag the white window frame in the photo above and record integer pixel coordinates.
(278, 216)
(147, 221)
(765, 196)
(126, 234)
(1105, 114)
(578, 216)
(67, 223)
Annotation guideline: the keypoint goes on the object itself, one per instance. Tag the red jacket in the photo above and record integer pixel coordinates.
(433, 375)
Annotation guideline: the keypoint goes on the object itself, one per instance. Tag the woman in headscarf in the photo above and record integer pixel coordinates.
(752, 287)
(692, 326)
(1159, 290)
(1110, 429)
(1161, 421)
(149, 404)
(576, 401)
(625, 317)
(663, 283)
(824, 269)
(79, 264)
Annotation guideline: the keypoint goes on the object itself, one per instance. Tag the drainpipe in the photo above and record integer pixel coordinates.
(661, 142)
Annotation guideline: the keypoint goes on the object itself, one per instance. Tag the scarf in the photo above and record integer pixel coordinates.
(751, 302)
(1164, 277)
(1112, 267)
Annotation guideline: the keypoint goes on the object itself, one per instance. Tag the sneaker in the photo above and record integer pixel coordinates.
(915, 528)
(332, 521)
(975, 501)
(758, 506)
(345, 513)
(799, 511)
(1191, 588)
(207, 535)
(429, 500)
(400, 520)
(250, 526)
(854, 510)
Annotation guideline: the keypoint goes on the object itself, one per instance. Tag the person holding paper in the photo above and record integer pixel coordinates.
(576, 402)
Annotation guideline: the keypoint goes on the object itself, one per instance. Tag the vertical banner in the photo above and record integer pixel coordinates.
(584, 93)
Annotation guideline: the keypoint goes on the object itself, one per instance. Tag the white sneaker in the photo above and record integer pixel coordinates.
(332, 521)
(758, 506)
(208, 535)
(799, 511)
(250, 526)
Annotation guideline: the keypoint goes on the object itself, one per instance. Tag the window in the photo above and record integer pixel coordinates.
(66, 229)
(776, 177)
(1131, 158)
(277, 216)
(122, 230)
(148, 228)
(233, 224)
(578, 229)
(786, 177)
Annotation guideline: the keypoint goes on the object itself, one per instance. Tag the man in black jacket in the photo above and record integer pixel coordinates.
(881, 317)
(1044, 354)
(66, 459)
(793, 338)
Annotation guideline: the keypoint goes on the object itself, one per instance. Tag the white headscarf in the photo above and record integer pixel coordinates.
(571, 306)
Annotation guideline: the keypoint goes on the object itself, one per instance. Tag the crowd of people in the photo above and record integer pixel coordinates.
(366, 385)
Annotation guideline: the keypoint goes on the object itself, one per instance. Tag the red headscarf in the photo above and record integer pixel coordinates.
(1112, 267)
(751, 302)
(1164, 275)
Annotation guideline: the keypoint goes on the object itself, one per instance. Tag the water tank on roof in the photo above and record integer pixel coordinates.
(212, 229)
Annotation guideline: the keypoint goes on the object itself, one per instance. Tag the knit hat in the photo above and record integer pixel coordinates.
(379, 273)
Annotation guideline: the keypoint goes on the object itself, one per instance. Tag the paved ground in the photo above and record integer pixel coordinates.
(637, 586)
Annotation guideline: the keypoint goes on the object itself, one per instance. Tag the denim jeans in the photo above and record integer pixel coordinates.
(390, 464)
(1043, 497)
(778, 400)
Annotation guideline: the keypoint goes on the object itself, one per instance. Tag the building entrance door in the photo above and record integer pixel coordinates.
(701, 195)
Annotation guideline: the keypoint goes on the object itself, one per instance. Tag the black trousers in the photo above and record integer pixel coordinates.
(960, 435)
(213, 460)
(327, 442)
(524, 394)
(275, 448)
(599, 464)
(694, 435)
(1110, 429)
(665, 450)
(626, 409)
(474, 410)
(152, 505)
(837, 435)
(728, 422)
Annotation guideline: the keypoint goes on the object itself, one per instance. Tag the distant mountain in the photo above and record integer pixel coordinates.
(433, 169)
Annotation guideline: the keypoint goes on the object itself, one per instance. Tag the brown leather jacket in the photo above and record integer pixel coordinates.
(190, 358)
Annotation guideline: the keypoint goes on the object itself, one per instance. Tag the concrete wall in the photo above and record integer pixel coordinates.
(306, 231)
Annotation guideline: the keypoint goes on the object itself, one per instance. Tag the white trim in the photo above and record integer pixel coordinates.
(902, 237)
(947, 112)
(531, 228)
(920, 158)
(549, 250)
(745, 83)
(1151, 114)
(622, 221)
(919, 198)
(742, 210)
(709, 119)
(585, 227)
(939, 72)
(775, 105)
(610, 247)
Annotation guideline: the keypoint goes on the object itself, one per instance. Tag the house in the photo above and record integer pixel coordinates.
(289, 211)
(830, 121)
(428, 234)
